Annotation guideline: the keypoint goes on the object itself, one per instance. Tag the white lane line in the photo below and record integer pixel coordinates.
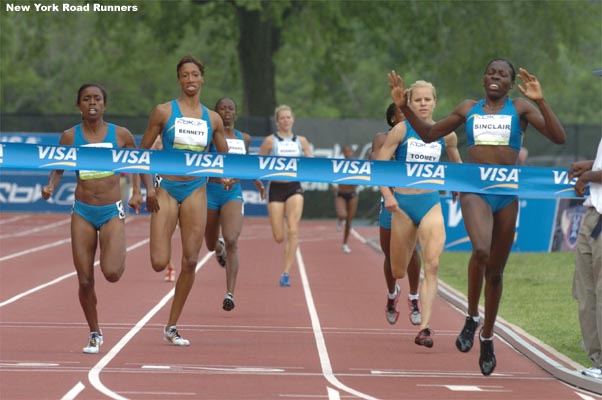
(72, 394)
(34, 249)
(36, 229)
(584, 396)
(333, 394)
(42, 247)
(13, 219)
(28, 364)
(61, 278)
(358, 236)
(94, 374)
(319, 337)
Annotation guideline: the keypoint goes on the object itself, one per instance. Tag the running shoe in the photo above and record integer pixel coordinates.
(415, 315)
(424, 338)
(170, 275)
(228, 302)
(94, 343)
(284, 280)
(487, 360)
(346, 249)
(391, 308)
(465, 339)
(172, 336)
(221, 257)
(593, 372)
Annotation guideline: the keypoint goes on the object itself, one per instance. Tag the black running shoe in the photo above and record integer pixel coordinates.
(424, 338)
(487, 360)
(465, 339)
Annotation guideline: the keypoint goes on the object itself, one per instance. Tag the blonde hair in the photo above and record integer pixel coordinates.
(420, 84)
(282, 107)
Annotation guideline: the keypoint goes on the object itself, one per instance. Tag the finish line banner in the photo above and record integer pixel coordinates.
(474, 178)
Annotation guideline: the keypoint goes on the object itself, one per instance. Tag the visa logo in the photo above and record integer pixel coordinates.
(131, 156)
(497, 174)
(351, 167)
(425, 170)
(206, 160)
(562, 178)
(278, 163)
(57, 153)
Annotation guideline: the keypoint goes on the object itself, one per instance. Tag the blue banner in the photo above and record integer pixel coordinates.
(475, 178)
(535, 225)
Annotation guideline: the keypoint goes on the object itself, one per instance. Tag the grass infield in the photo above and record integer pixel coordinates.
(537, 296)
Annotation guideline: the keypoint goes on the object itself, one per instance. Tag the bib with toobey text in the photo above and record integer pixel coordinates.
(418, 151)
(85, 174)
(190, 134)
(492, 129)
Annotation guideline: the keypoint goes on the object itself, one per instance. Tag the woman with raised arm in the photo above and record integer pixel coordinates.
(494, 128)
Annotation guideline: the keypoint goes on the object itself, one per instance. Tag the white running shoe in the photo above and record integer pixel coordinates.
(391, 308)
(346, 249)
(415, 315)
(94, 343)
(172, 336)
(170, 275)
(593, 372)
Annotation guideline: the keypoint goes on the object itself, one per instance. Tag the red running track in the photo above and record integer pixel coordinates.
(325, 337)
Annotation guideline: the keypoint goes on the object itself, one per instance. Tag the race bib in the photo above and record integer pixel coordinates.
(85, 174)
(289, 149)
(418, 151)
(236, 146)
(190, 134)
(492, 129)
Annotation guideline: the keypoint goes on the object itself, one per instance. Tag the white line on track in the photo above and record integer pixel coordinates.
(34, 249)
(42, 247)
(72, 394)
(61, 278)
(94, 374)
(13, 219)
(333, 394)
(319, 337)
(36, 229)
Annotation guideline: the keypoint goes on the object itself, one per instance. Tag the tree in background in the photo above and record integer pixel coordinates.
(327, 58)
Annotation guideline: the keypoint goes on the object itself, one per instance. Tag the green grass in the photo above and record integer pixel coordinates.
(537, 296)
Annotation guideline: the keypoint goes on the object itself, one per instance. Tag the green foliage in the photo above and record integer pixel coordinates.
(331, 63)
(537, 296)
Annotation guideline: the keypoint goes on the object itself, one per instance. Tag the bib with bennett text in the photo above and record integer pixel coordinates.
(190, 134)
